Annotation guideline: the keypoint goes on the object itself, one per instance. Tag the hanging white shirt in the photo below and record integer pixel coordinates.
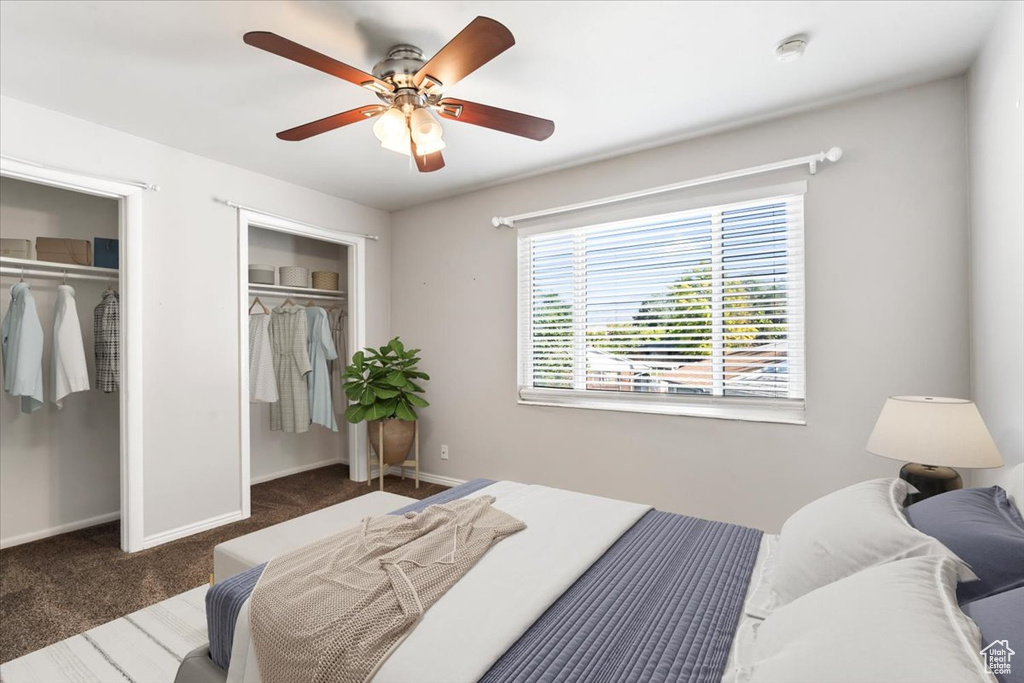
(22, 337)
(262, 380)
(67, 358)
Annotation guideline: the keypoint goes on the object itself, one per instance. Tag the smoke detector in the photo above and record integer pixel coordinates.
(791, 49)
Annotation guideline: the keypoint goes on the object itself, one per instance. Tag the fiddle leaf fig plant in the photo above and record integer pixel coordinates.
(381, 383)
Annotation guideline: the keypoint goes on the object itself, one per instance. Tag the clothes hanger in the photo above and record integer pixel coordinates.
(65, 277)
(255, 301)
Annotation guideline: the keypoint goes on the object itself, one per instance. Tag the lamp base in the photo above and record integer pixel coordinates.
(929, 480)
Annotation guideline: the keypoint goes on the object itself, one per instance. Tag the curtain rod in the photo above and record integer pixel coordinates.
(133, 183)
(55, 274)
(834, 154)
(243, 207)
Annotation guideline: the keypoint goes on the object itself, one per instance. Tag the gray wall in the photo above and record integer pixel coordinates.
(996, 98)
(57, 467)
(886, 233)
(190, 326)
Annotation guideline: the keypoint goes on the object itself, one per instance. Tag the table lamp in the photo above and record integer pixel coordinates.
(934, 434)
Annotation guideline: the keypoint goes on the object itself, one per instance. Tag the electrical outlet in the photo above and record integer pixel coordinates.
(444, 452)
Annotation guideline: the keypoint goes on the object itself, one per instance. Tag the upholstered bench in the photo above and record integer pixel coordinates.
(244, 552)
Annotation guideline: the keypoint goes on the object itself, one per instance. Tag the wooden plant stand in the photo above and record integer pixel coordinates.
(380, 456)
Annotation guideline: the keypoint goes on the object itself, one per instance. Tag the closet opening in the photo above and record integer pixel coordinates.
(70, 437)
(300, 308)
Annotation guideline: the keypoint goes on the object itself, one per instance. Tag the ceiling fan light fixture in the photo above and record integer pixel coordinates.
(426, 131)
(392, 130)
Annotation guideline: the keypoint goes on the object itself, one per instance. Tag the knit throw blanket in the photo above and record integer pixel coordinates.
(333, 611)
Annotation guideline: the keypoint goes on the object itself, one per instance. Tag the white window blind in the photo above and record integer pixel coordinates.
(698, 312)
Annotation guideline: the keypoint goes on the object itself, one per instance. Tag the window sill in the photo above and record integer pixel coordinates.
(779, 411)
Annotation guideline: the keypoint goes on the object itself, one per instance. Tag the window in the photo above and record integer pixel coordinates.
(698, 312)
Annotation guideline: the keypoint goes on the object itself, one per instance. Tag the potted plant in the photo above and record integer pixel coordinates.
(381, 383)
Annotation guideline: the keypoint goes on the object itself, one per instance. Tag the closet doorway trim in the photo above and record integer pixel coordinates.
(356, 298)
(130, 235)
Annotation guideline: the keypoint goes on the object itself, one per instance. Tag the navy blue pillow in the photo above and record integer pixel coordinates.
(1002, 628)
(984, 529)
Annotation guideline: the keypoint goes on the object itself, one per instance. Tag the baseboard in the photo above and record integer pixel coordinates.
(189, 529)
(424, 476)
(295, 470)
(57, 530)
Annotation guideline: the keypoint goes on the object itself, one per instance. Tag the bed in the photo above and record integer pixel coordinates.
(593, 590)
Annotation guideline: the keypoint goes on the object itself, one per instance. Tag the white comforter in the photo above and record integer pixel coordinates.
(472, 625)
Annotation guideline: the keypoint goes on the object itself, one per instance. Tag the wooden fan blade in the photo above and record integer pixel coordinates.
(480, 42)
(428, 162)
(282, 47)
(504, 120)
(308, 130)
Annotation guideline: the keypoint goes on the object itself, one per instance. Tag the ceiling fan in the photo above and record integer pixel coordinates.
(411, 88)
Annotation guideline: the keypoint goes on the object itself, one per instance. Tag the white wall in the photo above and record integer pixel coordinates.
(190, 329)
(273, 453)
(996, 115)
(886, 233)
(58, 468)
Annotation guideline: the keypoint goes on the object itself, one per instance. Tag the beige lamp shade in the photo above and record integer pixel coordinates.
(932, 430)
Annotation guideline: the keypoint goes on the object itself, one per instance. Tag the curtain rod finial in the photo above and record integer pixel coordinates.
(834, 154)
(499, 222)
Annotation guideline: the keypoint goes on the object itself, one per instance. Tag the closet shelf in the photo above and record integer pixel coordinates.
(13, 266)
(279, 290)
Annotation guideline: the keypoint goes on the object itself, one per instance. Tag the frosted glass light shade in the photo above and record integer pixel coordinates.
(933, 430)
(426, 131)
(391, 128)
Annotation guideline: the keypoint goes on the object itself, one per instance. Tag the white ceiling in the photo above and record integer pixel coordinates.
(614, 76)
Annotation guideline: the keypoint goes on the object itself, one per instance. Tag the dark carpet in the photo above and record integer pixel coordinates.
(57, 587)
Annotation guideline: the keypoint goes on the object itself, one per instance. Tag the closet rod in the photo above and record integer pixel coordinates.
(133, 183)
(833, 154)
(293, 295)
(56, 275)
(243, 207)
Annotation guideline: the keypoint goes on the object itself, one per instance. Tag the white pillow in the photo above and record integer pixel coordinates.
(841, 534)
(896, 623)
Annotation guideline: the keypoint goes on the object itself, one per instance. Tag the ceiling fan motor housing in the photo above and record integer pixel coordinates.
(399, 68)
(401, 64)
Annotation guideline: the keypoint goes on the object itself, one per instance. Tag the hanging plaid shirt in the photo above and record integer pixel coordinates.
(107, 334)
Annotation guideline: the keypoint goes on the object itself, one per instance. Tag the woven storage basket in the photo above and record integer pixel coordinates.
(15, 248)
(325, 279)
(294, 276)
(261, 274)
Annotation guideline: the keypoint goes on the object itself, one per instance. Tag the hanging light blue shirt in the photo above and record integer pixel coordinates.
(321, 350)
(22, 338)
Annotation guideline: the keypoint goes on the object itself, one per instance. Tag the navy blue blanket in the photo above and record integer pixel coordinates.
(661, 605)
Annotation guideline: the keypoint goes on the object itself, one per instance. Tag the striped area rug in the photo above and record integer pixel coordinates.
(143, 647)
